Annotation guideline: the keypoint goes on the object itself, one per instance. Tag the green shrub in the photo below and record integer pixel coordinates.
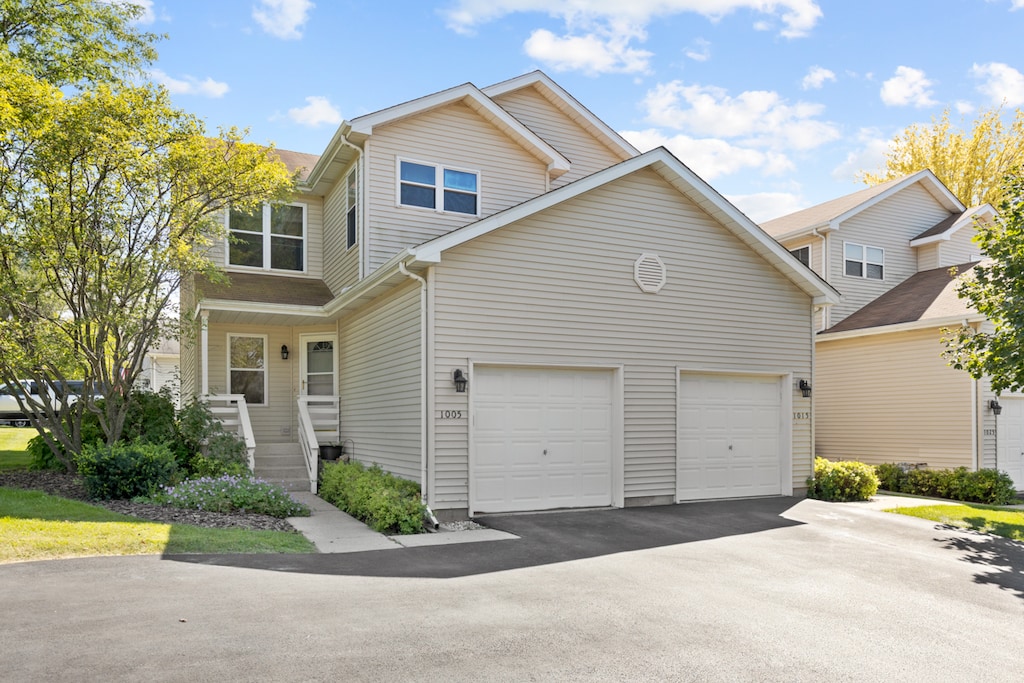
(383, 501)
(201, 434)
(891, 477)
(125, 470)
(231, 493)
(41, 457)
(842, 481)
(987, 486)
(202, 466)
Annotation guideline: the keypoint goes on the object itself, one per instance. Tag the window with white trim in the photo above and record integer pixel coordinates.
(247, 367)
(803, 255)
(448, 190)
(864, 261)
(350, 217)
(271, 238)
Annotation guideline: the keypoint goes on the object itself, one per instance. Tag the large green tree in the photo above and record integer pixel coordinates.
(995, 288)
(109, 197)
(971, 162)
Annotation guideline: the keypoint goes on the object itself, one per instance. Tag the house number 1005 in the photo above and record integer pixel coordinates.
(451, 414)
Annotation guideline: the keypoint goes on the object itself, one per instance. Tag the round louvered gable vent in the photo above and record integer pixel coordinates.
(649, 273)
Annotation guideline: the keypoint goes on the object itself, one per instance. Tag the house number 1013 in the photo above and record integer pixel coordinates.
(451, 414)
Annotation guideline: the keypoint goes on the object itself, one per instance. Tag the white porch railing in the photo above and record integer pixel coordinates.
(318, 424)
(232, 412)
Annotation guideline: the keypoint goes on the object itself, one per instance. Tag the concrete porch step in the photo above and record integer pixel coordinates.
(282, 464)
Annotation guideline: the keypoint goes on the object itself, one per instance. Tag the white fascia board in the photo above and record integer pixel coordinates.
(932, 184)
(557, 164)
(260, 307)
(327, 158)
(805, 231)
(611, 137)
(982, 211)
(927, 323)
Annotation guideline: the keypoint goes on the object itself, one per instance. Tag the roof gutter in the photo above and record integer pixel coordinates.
(927, 323)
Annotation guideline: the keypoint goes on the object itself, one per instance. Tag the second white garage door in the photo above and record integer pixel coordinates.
(542, 439)
(728, 437)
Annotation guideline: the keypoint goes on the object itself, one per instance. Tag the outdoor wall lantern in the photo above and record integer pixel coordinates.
(460, 381)
(805, 388)
(284, 352)
(996, 408)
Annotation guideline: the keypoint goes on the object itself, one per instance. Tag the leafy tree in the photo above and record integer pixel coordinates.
(995, 288)
(108, 198)
(971, 163)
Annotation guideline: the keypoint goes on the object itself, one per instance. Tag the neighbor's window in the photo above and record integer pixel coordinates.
(351, 216)
(247, 367)
(862, 261)
(803, 255)
(272, 238)
(438, 188)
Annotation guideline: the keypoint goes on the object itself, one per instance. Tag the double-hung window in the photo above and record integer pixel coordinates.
(442, 189)
(350, 217)
(864, 261)
(271, 238)
(803, 255)
(247, 367)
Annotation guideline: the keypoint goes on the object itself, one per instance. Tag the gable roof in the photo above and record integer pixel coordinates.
(927, 298)
(297, 161)
(830, 214)
(944, 229)
(569, 106)
(679, 176)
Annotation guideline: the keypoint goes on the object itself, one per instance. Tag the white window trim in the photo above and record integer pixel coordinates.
(353, 176)
(810, 254)
(266, 242)
(266, 365)
(864, 262)
(439, 170)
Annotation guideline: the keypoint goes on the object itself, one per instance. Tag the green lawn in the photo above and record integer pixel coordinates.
(991, 520)
(37, 526)
(12, 447)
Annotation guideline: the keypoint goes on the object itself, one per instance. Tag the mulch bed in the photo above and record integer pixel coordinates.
(70, 486)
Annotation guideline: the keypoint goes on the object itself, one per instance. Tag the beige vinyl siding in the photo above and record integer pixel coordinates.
(960, 248)
(890, 225)
(341, 263)
(381, 383)
(585, 153)
(188, 364)
(929, 256)
(892, 398)
(454, 136)
(557, 289)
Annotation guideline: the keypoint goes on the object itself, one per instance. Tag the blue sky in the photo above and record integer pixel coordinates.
(776, 103)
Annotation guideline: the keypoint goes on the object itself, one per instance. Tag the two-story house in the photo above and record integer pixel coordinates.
(884, 390)
(490, 292)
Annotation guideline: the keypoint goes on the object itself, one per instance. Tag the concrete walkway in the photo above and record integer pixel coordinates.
(334, 531)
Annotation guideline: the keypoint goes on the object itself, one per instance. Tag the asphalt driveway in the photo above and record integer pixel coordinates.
(778, 590)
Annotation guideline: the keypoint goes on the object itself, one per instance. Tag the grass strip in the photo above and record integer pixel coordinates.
(13, 441)
(985, 518)
(38, 526)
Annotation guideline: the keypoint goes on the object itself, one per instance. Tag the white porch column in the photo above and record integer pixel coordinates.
(204, 349)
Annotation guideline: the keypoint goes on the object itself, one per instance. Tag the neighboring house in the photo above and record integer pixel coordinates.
(628, 337)
(884, 392)
(160, 368)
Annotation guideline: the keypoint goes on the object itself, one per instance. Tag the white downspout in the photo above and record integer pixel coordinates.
(204, 349)
(977, 415)
(824, 274)
(424, 371)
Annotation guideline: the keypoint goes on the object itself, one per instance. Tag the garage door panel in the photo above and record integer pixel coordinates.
(567, 413)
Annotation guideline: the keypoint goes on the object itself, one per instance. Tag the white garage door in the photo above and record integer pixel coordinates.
(542, 439)
(729, 429)
(1011, 439)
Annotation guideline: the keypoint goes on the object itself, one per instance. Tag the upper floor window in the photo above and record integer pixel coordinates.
(438, 188)
(350, 217)
(271, 238)
(862, 261)
(803, 255)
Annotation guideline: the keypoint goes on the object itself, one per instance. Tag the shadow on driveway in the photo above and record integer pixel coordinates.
(1000, 561)
(544, 538)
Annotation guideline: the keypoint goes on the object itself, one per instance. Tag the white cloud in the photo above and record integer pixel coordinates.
(764, 206)
(908, 86)
(600, 34)
(1003, 84)
(816, 78)
(1017, 4)
(189, 85)
(283, 18)
(869, 156)
(701, 50)
(963, 106)
(760, 118)
(318, 111)
(708, 157)
(594, 53)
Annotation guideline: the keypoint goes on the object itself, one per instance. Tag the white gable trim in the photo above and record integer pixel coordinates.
(568, 104)
(682, 178)
(927, 323)
(941, 193)
(511, 126)
(985, 211)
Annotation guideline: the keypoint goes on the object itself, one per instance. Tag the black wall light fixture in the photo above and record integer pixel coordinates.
(995, 407)
(284, 352)
(805, 388)
(459, 380)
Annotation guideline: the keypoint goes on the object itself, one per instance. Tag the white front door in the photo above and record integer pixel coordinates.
(319, 365)
(1011, 439)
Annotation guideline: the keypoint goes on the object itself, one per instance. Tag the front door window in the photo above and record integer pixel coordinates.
(318, 367)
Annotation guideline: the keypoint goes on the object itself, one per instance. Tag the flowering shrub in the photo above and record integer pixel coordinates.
(842, 481)
(231, 493)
